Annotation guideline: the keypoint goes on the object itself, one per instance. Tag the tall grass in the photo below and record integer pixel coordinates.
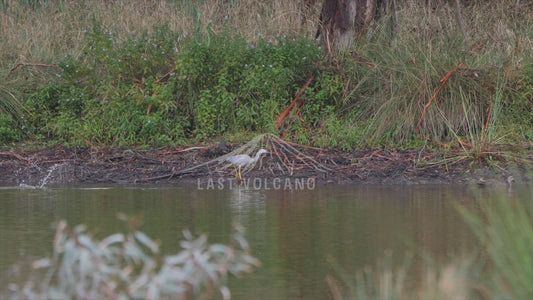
(407, 67)
(45, 30)
(385, 281)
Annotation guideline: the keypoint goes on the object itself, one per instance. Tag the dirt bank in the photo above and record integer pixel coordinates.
(64, 165)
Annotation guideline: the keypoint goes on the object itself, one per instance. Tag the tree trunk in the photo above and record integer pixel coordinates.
(343, 20)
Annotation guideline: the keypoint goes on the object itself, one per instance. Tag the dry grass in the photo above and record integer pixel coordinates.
(388, 281)
(428, 43)
(56, 27)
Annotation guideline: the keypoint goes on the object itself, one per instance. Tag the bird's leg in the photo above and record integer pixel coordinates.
(236, 172)
(240, 177)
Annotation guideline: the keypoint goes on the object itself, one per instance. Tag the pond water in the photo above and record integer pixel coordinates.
(295, 234)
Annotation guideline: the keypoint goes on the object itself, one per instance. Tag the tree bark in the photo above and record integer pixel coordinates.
(343, 20)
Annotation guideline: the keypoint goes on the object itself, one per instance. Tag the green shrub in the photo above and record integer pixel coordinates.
(158, 88)
(10, 131)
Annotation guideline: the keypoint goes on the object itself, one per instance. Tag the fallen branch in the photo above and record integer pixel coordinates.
(58, 160)
(166, 176)
(346, 88)
(287, 111)
(363, 60)
(443, 80)
(17, 156)
(300, 145)
(28, 64)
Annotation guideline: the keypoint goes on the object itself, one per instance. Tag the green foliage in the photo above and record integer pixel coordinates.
(520, 110)
(244, 86)
(12, 115)
(159, 88)
(128, 266)
(9, 129)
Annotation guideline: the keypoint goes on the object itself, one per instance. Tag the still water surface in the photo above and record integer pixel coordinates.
(294, 233)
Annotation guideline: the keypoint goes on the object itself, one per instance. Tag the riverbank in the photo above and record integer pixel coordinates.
(198, 165)
(188, 74)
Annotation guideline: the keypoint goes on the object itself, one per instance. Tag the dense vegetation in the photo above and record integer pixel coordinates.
(174, 73)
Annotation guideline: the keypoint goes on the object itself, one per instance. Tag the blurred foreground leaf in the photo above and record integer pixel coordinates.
(128, 266)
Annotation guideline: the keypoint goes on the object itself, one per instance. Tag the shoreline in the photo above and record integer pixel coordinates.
(69, 166)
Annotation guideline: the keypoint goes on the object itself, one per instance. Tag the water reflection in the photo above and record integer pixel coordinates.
(293, 233)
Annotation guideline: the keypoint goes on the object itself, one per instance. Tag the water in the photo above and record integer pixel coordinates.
(46, 178)
(293, 233)
(44, 181)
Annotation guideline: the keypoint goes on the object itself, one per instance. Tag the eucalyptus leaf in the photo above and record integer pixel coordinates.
(112, 239)
(176, 259)
(147, 241)
(117, 267)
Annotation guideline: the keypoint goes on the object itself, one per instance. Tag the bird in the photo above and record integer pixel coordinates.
(243, 160)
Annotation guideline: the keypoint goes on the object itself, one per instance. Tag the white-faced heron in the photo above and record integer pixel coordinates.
(243, 160)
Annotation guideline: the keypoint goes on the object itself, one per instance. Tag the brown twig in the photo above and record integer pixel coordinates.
(18, 156)
(443, 80)
(28, 64)
(299, 145)
(166, 176)
(287, 111)
(346, 88)
(57, 160)
(363, 60)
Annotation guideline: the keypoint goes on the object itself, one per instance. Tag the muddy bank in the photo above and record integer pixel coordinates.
(69, 166)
